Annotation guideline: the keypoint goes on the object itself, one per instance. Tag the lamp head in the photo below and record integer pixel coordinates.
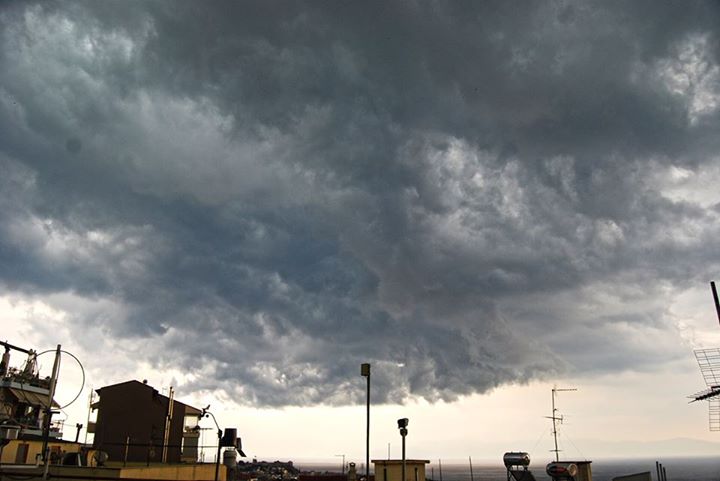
(229, 438)
(365, 369)
(403, 423)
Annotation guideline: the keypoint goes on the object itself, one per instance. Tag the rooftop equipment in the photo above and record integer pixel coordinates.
(559, 470)
(516, 459)
(556, 419)
(517, 463)
(709, 363)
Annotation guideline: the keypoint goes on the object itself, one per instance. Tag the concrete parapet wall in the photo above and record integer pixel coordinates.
(193, 472)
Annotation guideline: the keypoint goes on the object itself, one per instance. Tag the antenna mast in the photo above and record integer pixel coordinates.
(555, 419)
(709, 363)
(715, 298)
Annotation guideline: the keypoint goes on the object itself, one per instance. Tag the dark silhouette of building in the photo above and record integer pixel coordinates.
(136, 423)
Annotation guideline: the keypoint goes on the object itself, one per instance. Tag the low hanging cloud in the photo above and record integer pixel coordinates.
(464, 195)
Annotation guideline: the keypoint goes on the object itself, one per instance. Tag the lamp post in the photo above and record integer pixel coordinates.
(365, 372)
(206, 413)
(229, 440)
(402, 425)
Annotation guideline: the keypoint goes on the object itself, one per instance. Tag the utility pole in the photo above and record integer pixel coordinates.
(49, 412)
(365, 372)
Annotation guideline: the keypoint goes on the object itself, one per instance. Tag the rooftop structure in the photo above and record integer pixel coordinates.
(135, 423)
(391, 469)
(25, 396)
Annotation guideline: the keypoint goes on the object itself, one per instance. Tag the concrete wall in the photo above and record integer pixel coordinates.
(194, 472)
(584, 471)
(175, 472)
(391, 470)
(29, 449)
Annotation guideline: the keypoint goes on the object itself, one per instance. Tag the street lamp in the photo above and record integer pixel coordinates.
(365, 372)
(402, 426)
(229, 440)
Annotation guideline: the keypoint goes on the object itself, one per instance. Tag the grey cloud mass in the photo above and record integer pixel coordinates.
(464, 194)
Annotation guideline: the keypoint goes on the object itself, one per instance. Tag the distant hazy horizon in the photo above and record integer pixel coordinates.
(680, 468)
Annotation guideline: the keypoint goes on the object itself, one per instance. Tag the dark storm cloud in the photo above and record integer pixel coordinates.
(463, 194)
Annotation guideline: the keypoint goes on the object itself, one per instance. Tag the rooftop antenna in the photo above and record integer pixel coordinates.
(555, 419)
(709, 363)
(715, 298)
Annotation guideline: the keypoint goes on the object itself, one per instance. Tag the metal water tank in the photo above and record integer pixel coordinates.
(230, 458)
(560, 470)
(516, 459)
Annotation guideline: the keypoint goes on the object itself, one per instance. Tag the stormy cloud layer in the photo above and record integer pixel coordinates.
(463, 194)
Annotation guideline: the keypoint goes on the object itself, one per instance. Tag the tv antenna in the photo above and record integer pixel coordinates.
(556, 419)
(709, 363)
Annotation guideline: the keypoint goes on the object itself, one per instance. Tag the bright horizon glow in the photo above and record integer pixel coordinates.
(612, 416)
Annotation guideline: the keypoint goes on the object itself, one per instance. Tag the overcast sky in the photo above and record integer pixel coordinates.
(247, 200)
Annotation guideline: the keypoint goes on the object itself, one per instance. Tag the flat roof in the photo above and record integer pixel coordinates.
(189, 410)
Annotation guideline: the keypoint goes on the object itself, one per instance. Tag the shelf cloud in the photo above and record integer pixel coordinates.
(465, 195)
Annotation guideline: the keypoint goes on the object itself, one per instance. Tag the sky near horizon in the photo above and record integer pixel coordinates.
(248, 200)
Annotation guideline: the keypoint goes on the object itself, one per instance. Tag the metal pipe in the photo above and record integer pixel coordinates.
(48, 411)
(715, 298)
(365, 372)
(168, 424)
(217, 459)
(403, 456)
(367, 430)
(10, 346)
(554, 418)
